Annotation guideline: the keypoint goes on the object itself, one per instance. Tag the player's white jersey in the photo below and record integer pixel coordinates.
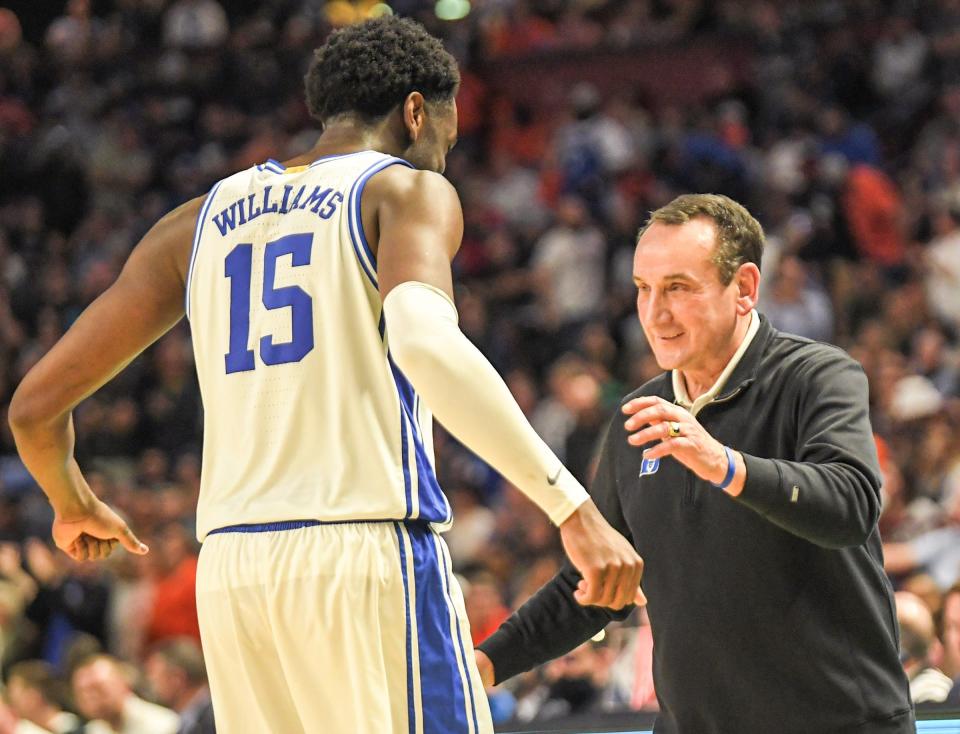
(306, 415)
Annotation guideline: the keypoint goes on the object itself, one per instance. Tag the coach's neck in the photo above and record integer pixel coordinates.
(699, 379)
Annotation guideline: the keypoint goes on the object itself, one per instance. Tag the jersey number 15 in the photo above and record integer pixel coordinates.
(238, 268)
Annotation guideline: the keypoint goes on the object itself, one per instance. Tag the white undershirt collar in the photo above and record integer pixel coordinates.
(680, 388)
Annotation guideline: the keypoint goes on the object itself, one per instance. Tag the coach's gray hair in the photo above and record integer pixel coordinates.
(739, 235)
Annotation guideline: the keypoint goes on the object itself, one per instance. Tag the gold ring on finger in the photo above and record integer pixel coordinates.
(673, 429)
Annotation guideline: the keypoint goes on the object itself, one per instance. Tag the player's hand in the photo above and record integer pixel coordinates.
(485, 666)
(610, 567)
(94, 535)
(650, 420)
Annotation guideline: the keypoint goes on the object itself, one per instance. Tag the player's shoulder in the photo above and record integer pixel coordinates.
(186, 214)
(411, 186)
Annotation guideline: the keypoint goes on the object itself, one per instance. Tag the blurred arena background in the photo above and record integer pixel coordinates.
(836, 121)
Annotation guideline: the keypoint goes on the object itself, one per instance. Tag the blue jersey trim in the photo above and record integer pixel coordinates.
(369, 267)
(272, 165)
(447, 571)
(358, 218)
(433, 505)
(441, 689)
(405, 460)
(198, 231)
(355, 220)
(411, 707)
(270, 527)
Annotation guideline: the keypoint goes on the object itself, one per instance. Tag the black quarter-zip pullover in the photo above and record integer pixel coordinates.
(771, 613)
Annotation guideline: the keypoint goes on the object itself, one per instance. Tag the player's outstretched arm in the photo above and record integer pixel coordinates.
(144, 302)
(420, 226)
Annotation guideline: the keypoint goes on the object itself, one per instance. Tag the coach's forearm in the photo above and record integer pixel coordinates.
(548, 625)
(829, 492)
(833, 505)
(46, 449)
(471, 400)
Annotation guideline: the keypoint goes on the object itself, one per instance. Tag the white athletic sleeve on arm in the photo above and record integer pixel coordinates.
(471, 400)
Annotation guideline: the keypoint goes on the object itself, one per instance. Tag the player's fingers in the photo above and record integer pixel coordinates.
(640, 599)
(131, 542)
(93, 549)
(80, 546)
(71, 550)
(103, 549)
(622, 593)
(612, 580)
(632, 587)
(628, 581)
(588, 590)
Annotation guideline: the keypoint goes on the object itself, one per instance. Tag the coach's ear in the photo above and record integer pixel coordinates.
(747, 280)
(414, 115)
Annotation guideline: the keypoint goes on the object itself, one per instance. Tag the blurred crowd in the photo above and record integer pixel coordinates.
(845, 142)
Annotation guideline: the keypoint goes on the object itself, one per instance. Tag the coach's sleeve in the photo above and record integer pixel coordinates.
(830, 495)
(552, 622)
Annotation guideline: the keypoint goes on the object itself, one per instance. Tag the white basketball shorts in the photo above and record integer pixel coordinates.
(341, 628)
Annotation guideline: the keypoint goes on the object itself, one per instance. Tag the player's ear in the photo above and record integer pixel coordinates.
(414, 115)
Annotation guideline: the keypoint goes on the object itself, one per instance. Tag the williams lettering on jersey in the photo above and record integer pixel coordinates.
(322, 201)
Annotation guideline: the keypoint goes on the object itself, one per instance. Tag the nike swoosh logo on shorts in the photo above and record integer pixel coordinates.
(553, 480)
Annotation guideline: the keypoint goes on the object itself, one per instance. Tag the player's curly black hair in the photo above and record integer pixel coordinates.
(369, 68)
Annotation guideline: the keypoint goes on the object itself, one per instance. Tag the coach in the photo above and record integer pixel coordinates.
(754, 506)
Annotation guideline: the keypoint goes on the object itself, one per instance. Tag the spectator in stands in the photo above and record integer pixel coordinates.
(485, 606)
(936, 552)
(37, 695)
(71, 597)
(949, 633)
(942, 260)
(576, 683)
(568, 262)
(174, 611)
(796, 304)
(918, 645)
(195, 25)
(103, 694)
(178, 678)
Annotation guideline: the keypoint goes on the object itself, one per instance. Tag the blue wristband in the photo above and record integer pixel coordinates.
(731, 470)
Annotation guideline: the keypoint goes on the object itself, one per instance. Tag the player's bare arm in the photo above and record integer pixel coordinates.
(145, 301)
(419, 223)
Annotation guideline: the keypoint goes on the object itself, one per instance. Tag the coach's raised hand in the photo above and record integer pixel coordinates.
(610, 567)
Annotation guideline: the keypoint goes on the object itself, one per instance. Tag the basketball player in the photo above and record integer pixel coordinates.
(320, 301)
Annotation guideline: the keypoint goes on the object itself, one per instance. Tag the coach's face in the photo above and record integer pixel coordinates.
(688, 315)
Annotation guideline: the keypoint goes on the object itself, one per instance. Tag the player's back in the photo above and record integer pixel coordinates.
(306, 416)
